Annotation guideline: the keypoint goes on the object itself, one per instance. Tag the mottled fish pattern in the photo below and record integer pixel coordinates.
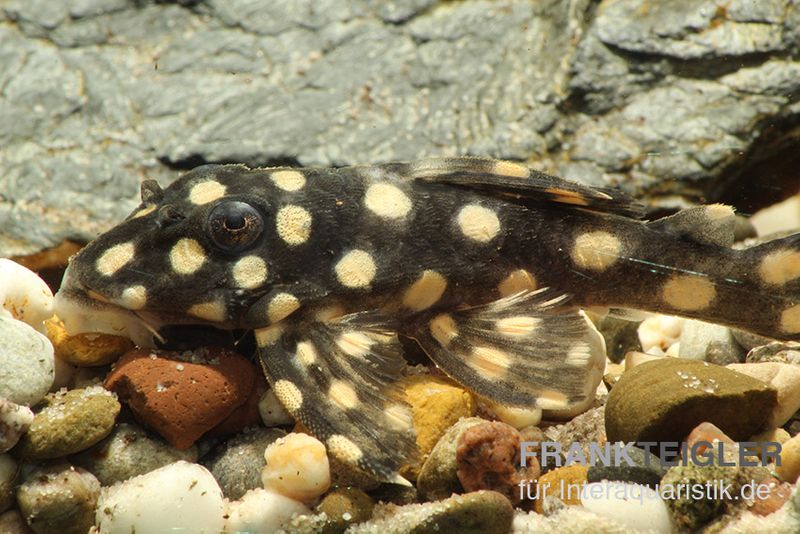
(486, 264)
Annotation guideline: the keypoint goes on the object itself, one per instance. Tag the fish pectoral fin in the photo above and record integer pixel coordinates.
(711, 225)
(527, 350)
(515, 181)
(339, 379)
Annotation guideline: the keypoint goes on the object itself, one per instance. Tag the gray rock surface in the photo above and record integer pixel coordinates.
(662, 99)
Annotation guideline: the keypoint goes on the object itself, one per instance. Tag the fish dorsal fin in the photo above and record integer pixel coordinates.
(525, 350)
(515, 181)
(710, 225)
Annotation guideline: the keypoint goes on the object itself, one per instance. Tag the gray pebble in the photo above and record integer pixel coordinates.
(749, 340)
(59, 498)
(438, 477)
(14, 421)
(27, 361)
(710, 342)
(8, 478)
(479, 511)
(127, 452)
(777, 351)
(646, 470)
(237, 463)
(12, 522)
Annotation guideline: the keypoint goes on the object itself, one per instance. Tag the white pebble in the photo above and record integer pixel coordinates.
(783, 378)
(24, 295)
(635, 506)
(26, 362)
(634, 358)
(261, 511)
(297, 467)
(660, 332)
(179, 497)
(272, 411)
(15, 420)
(514, 415)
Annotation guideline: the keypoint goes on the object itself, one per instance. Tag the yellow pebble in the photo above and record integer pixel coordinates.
(436, 405)
(86, 350)
(789, 469)
(572, 478)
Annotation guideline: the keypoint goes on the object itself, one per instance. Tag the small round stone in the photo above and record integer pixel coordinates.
(436, 404)
(345, 507)
(783, 378)
(516, 416)
(8, 481)
(148, 503)
(86, 350)
(272, 411)
(789, 470)
(71, 421)
(15, 419)
(24, 295)
(27, 363)
(59, 498)
(637, 507)
(438, 477)
(487, 512)
(161, 388)
(646, 470)
(663, 400)
(297, 467)
(261, 511)
(237, 463)
(488, 457)
(127, 452)
(557, 483)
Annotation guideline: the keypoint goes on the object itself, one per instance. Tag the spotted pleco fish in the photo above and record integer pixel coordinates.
(486, 264)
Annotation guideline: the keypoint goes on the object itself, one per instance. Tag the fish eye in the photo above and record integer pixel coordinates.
(234, 225)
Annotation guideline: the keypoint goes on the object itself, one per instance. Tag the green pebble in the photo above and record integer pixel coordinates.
(71, 422)
(59, 498)
(663, 400)
(344, 507)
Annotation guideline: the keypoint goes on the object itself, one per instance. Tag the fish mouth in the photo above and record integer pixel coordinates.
(83, 310)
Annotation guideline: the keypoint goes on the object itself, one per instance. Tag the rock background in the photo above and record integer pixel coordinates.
(675, 102)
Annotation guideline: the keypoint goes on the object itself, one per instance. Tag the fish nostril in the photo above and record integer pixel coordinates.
(151, 192)
(168, 215)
